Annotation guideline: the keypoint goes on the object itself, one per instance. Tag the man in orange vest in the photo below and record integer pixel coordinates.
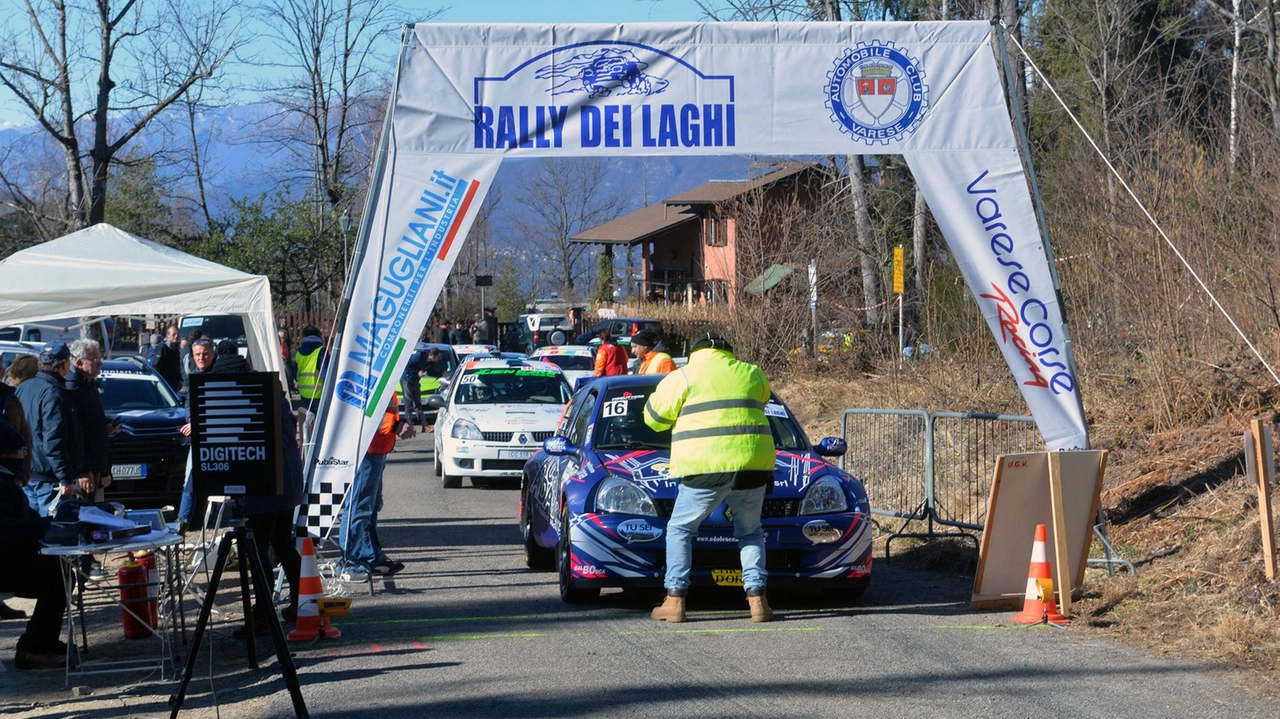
(643, 348)
(610, 358)
(361, 547)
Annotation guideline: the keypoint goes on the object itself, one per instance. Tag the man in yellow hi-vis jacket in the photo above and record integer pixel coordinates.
(721, 450)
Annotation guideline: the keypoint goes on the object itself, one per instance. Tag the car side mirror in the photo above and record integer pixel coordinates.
(437, 401)
(558, 446)
(831, 447)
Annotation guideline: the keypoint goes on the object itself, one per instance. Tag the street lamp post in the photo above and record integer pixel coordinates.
(345, 223)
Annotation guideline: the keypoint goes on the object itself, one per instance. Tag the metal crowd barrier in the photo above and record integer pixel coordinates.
(932, 467)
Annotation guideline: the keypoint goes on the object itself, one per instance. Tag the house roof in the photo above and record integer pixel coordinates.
(722, 190)
(637, 226)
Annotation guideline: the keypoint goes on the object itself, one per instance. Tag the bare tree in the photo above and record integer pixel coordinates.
(145, 57)
(565, 197)
(334, 80)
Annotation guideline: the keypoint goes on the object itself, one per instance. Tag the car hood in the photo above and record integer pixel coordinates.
(496, 417)
(147, 420)
(793, 472)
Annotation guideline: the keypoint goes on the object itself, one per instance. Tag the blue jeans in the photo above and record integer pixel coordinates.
(694, 505)
(40, 495)
(359, 535)
(188, 496)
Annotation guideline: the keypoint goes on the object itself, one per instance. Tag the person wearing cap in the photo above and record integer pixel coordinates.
(311, 360)
(57, 460)
(610, 358)
(644, 348)
(722, 451)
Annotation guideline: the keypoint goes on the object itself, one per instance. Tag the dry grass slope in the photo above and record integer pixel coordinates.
(1178, 502)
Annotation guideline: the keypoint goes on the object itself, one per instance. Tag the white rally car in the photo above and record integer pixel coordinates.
(494, 417)
(576, 361)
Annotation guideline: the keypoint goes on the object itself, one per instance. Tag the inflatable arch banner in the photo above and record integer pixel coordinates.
(466, 96)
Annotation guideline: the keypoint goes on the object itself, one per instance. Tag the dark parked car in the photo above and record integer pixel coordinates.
(149, 453)
(621, 328)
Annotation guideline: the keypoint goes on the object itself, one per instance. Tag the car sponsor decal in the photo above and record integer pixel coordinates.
(727, 577)
(639, 530)
(773, 409)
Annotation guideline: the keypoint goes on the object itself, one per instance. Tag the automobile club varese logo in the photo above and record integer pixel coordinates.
(876, 93)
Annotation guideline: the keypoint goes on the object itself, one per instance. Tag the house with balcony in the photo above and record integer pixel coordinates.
(691, 249)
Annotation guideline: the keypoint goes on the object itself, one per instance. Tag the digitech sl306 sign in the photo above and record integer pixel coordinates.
(235, 434)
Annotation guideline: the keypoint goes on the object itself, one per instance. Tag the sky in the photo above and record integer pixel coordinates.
(476, 11)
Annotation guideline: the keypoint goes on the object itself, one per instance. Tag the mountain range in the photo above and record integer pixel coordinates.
(244, 157)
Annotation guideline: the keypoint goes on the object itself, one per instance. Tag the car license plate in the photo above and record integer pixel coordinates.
(129, 471)
(727, 577)
(515, 453)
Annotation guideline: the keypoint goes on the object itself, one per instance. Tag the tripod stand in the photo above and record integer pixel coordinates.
(247, 550)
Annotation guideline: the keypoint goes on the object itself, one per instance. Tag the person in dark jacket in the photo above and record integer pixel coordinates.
(57, 461)
(82, 388)
(459, 335)
(271, 518)
(168, 359)
(28, 573)
(184, 357)
(203, 357)
(229, 359)
(442, 333)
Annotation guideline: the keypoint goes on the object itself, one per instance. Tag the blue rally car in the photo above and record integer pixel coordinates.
(594, 504)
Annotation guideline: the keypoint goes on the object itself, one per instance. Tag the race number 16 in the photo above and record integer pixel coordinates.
(615, 408)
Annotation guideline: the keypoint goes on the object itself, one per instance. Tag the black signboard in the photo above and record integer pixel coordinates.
(484, 280)
(235, 434)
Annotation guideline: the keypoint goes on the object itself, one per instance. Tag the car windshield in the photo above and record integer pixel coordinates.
(569, 362)
(134, 390)
(554, 322)
(621, 424)
(218, 327)
(508, 385)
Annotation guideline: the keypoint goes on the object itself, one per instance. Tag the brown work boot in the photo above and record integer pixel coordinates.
(760, 611)
(672, 609)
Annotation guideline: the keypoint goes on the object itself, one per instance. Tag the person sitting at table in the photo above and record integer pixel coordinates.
(28, 573)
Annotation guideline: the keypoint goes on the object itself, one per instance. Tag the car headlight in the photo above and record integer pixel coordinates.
(824, 496)
(465, 429)
(620, 496)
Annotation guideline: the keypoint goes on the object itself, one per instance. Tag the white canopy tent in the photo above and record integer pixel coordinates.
(102, 271)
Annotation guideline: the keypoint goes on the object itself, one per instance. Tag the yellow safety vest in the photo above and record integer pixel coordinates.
(310, 384)
(715, 409)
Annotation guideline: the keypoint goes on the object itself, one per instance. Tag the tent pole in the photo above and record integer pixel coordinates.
(1021, 128)
(362, 243)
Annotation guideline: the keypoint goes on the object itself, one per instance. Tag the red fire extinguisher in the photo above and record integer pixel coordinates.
(136, 607)
(147, 560)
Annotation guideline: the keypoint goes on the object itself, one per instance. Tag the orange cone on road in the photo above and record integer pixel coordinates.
(310, 591)
(1039, 607)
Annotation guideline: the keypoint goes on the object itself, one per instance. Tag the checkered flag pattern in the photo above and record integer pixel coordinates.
(324, 509)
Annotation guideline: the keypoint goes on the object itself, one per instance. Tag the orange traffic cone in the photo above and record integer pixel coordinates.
(1039, 607)
(310, 591)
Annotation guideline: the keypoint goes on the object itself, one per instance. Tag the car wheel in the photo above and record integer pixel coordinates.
(535, 555)
(558, 337)
(436, 465)
(449, 481)
(529, 348)
(570, 592)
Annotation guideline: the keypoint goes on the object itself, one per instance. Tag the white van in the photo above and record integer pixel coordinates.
(64, 330)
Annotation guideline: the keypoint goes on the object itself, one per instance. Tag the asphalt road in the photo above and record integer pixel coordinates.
(467, 631)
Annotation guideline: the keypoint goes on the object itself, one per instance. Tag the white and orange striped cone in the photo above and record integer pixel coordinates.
(311, 624)
(1039, 607)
